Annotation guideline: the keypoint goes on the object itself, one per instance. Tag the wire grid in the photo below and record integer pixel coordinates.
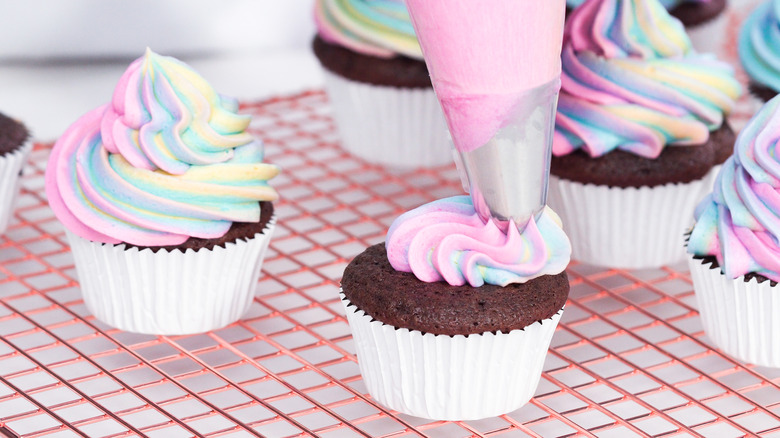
(628, 359)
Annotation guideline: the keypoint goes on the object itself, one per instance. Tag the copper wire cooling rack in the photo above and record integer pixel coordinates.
(629, 357)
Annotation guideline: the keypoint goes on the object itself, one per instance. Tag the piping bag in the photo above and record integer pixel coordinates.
(495, 66)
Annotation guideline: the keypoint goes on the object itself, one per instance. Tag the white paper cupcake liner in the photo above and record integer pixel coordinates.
(742, 318)
(449, 377)
(630, 228)
(10, 166)
(169, 292)
(398, 127)
(711, 36)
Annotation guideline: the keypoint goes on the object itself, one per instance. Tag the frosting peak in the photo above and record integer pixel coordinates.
(166, 160)
(165, 116)
(632, 81)
(739, 222)
(446, 240)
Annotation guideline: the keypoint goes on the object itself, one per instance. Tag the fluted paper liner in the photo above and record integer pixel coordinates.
(630, 228)
(742, 318)
(712, 36)
(169, 292)
(392, 126)
(449, 377)
(10, 166)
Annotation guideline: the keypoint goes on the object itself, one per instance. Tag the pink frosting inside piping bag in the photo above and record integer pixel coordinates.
(483, 54)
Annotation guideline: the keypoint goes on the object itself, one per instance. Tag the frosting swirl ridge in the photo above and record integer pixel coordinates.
(739, 222)
(759, 44)
(668, 4)
(168, 159)
(446, 240)
(165, 116)
(373, 27)
(631, 80)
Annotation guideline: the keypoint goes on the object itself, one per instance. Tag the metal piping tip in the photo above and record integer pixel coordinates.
(508, 176)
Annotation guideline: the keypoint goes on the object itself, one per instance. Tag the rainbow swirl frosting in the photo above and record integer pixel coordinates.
(446, 240)
(739, 222)
(668, 4)
(166, 160)
(759, 45)
(373, 27)
(632, 81)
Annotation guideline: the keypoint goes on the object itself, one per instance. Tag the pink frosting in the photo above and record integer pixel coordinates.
(632, 81)
(166, 160)
(65, 203)
(446, 240)
(483, 54)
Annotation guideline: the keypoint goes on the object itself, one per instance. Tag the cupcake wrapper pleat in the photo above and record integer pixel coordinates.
(630, 228)
(169, 292)
(449, 377)
(712, 36)
(10, 166)
(740, 317)
(400, 127)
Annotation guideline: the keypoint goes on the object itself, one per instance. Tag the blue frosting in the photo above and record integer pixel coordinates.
(759, 45)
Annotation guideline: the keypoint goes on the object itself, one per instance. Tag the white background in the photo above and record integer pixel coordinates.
(59, 59)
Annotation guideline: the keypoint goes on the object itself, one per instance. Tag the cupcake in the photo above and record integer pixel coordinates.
(703, 19)
(378, 85)
(164, 198)
(452, 318)
(734, 247)
(759, 50)
(15, 146)
(640, 126)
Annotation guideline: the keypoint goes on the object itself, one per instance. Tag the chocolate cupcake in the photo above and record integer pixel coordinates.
(759, 50)
(378, 84)
(619, 168)
(734, 254)
(452, 319)
(165, 202)
(640, 127)
(15, 146)
(398, 71)
(399, 299)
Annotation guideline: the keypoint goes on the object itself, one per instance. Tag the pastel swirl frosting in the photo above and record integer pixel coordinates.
(631, 81)
(446, 240)
(166, 160)
(759, 45)
(668, 4)
(739, 223)
(373, 27)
